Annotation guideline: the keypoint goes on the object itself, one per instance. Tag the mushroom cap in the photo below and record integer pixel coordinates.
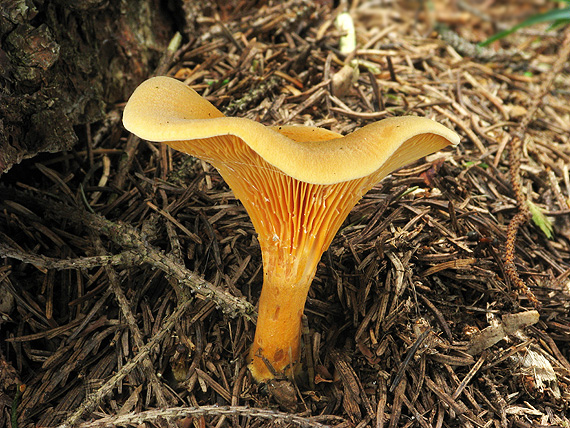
(163, 109)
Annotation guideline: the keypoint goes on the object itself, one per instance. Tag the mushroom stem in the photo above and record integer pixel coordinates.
(276, 346)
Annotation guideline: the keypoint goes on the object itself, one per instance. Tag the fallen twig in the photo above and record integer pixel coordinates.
(44, 263)
(184, 412)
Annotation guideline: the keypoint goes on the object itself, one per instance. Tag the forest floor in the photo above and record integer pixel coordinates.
(441, 301)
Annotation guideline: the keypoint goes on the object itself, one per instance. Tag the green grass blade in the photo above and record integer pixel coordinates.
(552, 15)
(540, 219)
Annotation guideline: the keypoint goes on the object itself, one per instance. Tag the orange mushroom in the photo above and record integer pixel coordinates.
(298, 184)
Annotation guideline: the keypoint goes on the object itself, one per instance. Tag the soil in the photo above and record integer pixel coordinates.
(130, 272)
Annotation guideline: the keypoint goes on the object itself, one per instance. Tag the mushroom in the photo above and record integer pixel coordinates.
(297, 183)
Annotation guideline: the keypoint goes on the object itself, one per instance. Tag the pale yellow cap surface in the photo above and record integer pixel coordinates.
(163, 109)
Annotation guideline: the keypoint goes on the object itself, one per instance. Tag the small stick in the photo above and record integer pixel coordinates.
(140, 418)
(391, 69)
(44, 263)
(400, 374)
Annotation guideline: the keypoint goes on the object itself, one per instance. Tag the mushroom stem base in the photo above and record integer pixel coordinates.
(276, 348)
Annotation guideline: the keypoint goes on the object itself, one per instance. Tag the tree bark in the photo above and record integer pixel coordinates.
(64, 62)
